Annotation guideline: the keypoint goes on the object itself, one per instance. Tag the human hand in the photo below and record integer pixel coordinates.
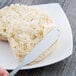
(3, 72)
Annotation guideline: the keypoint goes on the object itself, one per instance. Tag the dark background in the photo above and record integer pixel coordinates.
(66, 67)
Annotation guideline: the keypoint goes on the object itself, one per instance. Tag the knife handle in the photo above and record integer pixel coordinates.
(16, 70)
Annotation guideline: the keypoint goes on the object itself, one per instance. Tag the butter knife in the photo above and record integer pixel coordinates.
(47, 41)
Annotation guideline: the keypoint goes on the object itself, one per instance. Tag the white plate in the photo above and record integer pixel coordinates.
(63, 50)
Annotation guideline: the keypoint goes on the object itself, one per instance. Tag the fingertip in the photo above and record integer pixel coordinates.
(3, 72)
(6, 73)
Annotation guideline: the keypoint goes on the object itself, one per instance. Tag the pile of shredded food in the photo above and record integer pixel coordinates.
(24, 27)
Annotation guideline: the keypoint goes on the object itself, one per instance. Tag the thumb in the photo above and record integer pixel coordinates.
(3, 72)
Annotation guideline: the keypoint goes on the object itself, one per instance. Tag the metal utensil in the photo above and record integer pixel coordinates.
(47, 41)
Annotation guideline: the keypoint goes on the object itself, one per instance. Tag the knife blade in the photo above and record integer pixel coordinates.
(47, 41)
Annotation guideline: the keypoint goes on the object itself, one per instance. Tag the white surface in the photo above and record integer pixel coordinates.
(63, 50)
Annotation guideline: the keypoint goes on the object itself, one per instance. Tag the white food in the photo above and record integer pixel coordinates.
(24, 27)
